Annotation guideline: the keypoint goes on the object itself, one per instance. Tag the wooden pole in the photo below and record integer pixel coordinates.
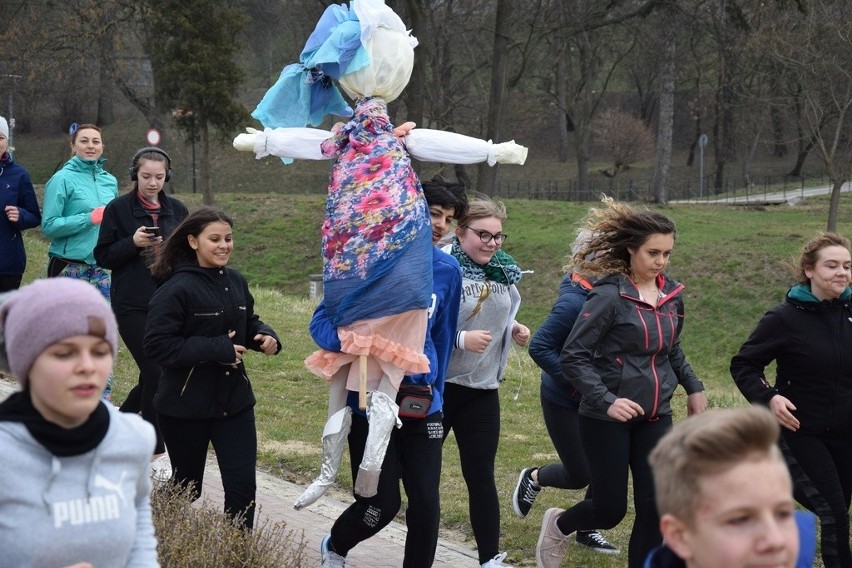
(362, 382)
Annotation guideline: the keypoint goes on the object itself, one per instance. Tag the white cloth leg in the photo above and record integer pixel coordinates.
(382, 417)
(333, 443)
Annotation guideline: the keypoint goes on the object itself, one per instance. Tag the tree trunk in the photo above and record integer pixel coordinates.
(581, 141)
(461, 175)
(748, 158)
(834, 205)
(416, 87)
(204, 166)
(666, 119)
(106, 114)
(497, 98)
(779, 146)
(801, 156)
(561, 106)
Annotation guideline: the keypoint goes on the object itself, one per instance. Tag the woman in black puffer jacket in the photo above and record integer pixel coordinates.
(809, 337)
(201, 322)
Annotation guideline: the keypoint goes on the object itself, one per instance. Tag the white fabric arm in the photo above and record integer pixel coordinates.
(297, 143)
(440, 146)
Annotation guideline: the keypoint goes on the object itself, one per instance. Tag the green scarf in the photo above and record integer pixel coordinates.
(502, 268)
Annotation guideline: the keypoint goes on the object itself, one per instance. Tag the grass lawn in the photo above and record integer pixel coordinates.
(730, 259)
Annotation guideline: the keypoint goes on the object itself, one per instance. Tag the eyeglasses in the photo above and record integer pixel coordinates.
(487, 237)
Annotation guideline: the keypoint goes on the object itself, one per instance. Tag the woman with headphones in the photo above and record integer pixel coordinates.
(133, 227)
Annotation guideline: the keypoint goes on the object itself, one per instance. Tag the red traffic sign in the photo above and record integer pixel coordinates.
(153, 137)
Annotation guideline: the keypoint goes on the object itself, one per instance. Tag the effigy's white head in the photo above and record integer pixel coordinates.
(391, 61)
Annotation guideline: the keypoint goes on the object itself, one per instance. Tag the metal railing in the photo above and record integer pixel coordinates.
(769, 189)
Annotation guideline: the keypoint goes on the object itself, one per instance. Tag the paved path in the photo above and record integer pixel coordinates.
(275, 499)
(790, 196)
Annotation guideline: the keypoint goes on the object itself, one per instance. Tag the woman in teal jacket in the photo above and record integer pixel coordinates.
(74, 202)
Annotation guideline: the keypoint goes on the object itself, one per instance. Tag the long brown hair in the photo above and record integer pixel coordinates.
(176, 249)
(614, 229)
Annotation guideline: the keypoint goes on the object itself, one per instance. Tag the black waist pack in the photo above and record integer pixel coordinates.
(414, 401)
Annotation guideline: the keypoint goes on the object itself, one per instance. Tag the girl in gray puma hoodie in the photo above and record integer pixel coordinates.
(74, 483)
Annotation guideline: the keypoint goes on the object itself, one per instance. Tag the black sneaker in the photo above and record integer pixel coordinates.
(595, 541)
(525, 493)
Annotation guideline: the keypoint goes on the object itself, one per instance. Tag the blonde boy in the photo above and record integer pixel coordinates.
(724, 493)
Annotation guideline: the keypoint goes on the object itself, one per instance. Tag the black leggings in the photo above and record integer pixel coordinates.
(131, 326)
(564, 430)
(612, 448)
(474, 417)
(413, 456)
(821, 467)
(9, 283)
(234, 440)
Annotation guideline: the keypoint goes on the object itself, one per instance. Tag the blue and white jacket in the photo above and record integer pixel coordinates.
(16, 189)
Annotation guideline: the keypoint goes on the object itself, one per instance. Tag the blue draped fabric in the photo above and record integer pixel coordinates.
(305, 92)
(393, 287)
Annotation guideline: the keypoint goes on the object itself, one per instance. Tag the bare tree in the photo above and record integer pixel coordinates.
(665, 123)
(625, 138)
(590, 42)
(814, 50)
(497, 95)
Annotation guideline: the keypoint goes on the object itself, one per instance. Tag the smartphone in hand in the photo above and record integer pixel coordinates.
(153, 231)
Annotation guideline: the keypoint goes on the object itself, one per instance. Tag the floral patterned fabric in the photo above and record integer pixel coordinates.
(376, 237)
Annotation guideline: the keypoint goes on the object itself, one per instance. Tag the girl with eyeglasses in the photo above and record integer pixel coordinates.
(487, 327)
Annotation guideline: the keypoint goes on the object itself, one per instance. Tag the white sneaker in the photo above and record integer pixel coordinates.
(497, 561)
(330, 559)
(161, 468)
(552, 544)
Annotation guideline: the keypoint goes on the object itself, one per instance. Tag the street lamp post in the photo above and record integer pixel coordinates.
(702, 142)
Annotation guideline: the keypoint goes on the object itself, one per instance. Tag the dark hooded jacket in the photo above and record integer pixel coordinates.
(189, 319)
(810, 342)
(16, 189)
(623, 347)
(547, 343)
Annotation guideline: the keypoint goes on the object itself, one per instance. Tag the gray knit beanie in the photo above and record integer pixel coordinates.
(46, 311)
